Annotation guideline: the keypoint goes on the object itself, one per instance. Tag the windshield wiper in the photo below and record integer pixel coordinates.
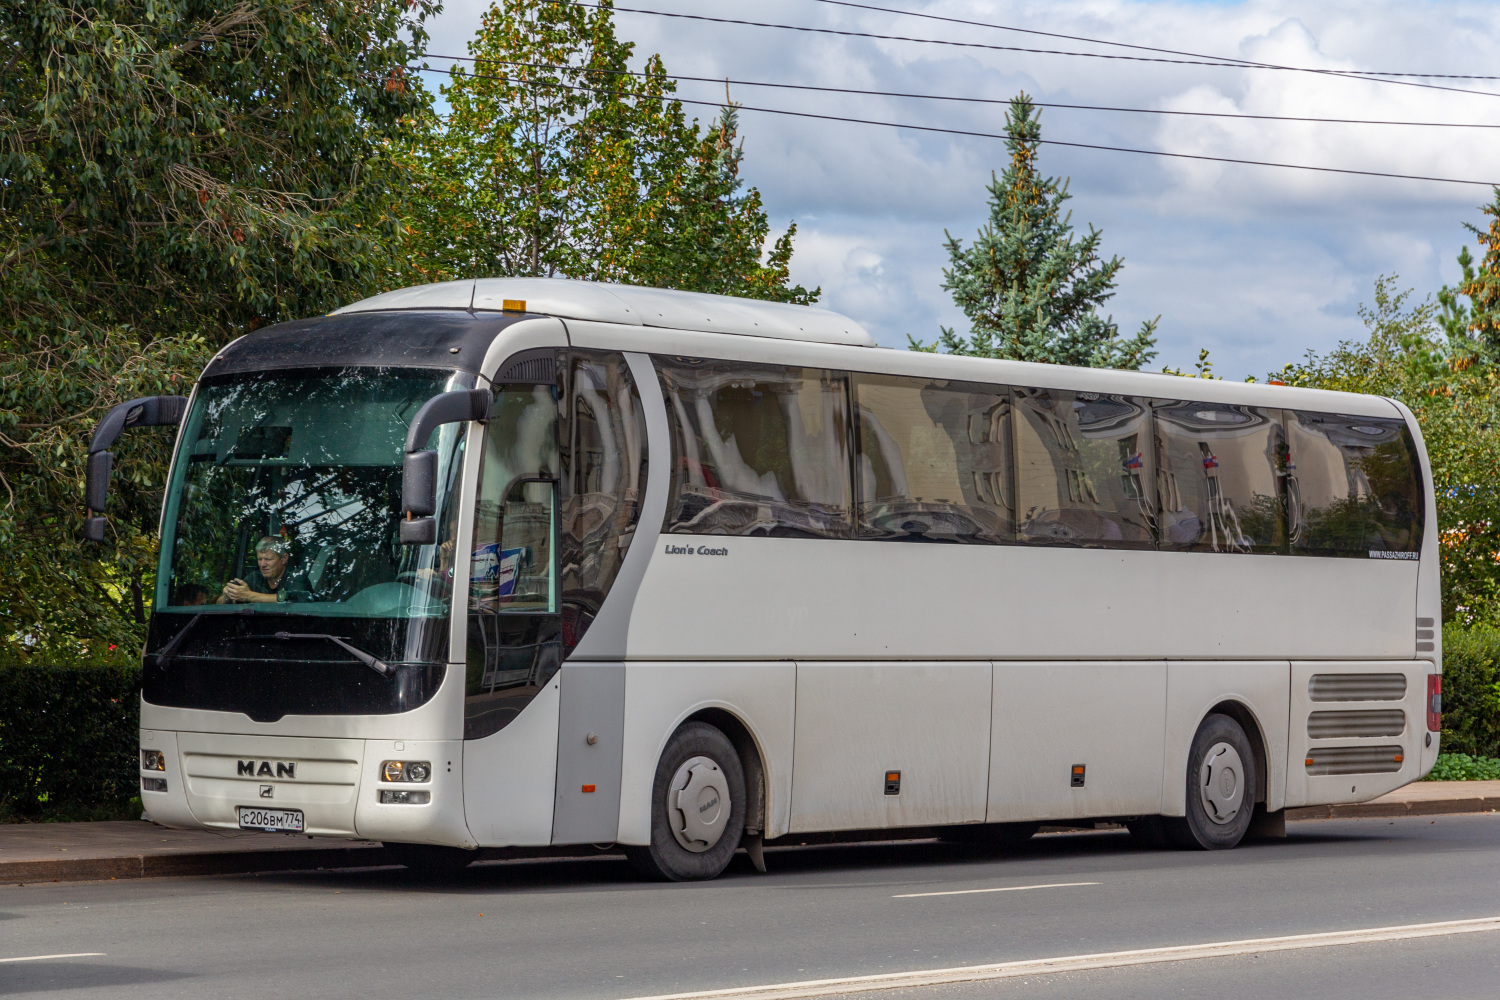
(165, 655)
(375, 663)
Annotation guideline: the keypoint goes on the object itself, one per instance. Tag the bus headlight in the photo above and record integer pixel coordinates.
(153, 760)
(404, 770)
(402, 796)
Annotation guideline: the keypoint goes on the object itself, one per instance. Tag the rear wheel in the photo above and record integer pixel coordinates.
(697, 807)
(1220, 787)
(431, 859)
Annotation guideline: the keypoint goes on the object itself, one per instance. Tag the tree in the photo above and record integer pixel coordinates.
(173, 173)
(1475, 328)
(1457, 403)
(556, 160)
(1030, 288)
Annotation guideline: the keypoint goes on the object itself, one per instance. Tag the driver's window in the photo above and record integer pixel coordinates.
(512, 552)
(514, 631)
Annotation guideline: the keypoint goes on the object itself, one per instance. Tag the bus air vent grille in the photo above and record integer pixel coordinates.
(1353, 760)
(1361, 722)
(1357, 687)
(536, 370)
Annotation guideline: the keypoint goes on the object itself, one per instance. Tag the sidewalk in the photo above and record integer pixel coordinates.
(1423, 798)
(71, 852)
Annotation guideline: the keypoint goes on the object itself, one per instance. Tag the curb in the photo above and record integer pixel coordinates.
(1388, 810)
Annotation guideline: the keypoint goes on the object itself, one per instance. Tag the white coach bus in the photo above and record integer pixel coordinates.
(535, 562)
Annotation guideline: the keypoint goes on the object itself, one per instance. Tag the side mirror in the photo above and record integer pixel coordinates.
(420, 466)
(148, 411)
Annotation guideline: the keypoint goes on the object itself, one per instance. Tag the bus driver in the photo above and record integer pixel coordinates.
(271, 582)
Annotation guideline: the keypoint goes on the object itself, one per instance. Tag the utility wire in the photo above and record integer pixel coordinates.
(966, 100)
(992, 135)
(1340, 74)
(1144, 48)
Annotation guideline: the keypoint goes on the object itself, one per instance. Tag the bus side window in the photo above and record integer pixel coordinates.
(603, 479)
(1221, 477)
(933, 460)
(1353, 486)
(756, 449)
(1084, 469)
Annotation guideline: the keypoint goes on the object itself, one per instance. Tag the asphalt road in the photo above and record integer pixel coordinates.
(589, 930)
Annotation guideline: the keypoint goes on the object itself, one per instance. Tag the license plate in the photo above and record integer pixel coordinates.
(270, 820)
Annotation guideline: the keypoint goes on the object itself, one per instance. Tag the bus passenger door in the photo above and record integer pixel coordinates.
(1052, 718)
(884, 745)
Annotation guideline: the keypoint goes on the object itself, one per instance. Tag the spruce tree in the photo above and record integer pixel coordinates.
(1474, 330)
(1030, 287)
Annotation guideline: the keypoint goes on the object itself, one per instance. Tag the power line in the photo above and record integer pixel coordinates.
(992, 135)
(1146, 48)
(1207, 61)
(966, 100)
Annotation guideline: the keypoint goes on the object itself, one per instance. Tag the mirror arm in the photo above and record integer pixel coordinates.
(147, 411)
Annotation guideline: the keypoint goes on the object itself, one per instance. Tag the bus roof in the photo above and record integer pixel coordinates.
(628, 305)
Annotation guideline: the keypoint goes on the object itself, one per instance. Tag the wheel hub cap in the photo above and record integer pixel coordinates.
(698, 804)
(1222, 784)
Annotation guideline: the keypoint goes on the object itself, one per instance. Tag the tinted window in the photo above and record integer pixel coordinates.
(934, 460)
(1083, 469)
(756, 449)
(1220, 477)
(1353, 485)
(604, 462)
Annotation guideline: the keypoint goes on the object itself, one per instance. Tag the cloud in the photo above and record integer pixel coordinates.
(1255, 263)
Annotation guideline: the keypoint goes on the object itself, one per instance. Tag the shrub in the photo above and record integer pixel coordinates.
(1471, 690)
(68, 740)
(1462, 767)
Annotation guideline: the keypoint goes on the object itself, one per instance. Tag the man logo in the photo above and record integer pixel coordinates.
(262, 769)
(266, 791)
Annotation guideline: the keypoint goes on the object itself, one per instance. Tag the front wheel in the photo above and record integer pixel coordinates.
(1220, 786)
(697, 807)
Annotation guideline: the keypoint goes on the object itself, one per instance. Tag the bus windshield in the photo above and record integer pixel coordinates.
(286, 497)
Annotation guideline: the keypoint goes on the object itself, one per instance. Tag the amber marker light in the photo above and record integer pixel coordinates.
(513, 305)
(588, 788)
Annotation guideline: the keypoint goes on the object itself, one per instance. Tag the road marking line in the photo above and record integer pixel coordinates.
(1007, 888)
(38, 958)
(1079, 963)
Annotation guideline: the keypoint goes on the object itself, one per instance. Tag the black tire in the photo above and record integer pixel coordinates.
(666, 857)
(1221, 782)
(1001, 836)
(431, 859)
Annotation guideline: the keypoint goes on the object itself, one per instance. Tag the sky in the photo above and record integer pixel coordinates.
(1258, 265)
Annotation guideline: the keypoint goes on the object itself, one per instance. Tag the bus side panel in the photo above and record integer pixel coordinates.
(858, 721)
(659, 696)
(509, 777)
(1050, 717)
(865, 600)
(1353, 729)
(1194, 688)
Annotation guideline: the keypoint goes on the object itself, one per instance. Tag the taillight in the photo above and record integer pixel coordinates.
(1434, 703)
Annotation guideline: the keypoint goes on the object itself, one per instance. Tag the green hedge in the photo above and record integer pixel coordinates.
(68, 740)
(1471, 690)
